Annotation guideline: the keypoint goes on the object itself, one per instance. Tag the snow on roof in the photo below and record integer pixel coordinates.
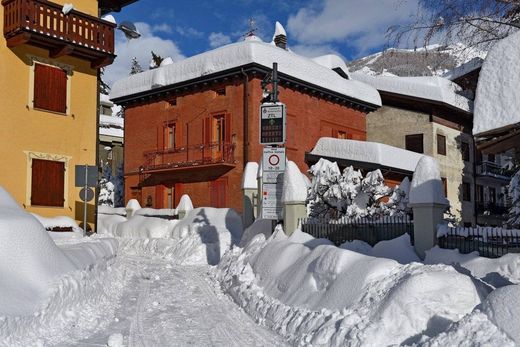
(427, 184)
(498, 91)
(185, 203)
(463, 69)
(370, 152)
(429, 87)
(279, 30)
(111, 126)
(240, 54)
(332, 61)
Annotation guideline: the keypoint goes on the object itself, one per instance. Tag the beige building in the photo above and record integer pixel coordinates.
(426, 115)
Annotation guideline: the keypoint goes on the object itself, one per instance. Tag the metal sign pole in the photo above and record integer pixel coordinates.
(85, 202)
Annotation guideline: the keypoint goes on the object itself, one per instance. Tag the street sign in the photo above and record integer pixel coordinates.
(273, 167)
(91, 175)
(86, 194)
(272, 123)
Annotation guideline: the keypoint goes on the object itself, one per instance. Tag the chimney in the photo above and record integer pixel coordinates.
(280, 36)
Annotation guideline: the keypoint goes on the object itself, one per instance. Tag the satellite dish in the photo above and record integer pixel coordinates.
(129, 29)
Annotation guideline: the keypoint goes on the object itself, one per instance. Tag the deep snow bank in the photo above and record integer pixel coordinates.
(297, 286)
(202, 237)
(31, 262)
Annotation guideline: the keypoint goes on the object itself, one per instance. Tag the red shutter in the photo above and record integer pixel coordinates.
(207, 130)
(48, 183)
(227, 124)
(50, 88)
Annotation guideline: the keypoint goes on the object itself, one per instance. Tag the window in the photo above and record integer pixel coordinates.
(220, 91)
(441, 144)
(445, 185)
(50, 88)
(218, 192)
(341, 135)
(464, 148)
(170, 140)
(480, 193)
(414, 143)
(491, 157)
(492, 195)
(479, 156)
(105, 110)
(466, 191)
(47, 183)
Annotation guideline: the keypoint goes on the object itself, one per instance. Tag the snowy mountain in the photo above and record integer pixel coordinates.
(432, 60)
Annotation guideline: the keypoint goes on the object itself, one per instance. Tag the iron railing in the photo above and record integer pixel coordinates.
(201, 154)
(368, 230)
(492, 208)
(46, 18)
(487, 241)
(486, 168)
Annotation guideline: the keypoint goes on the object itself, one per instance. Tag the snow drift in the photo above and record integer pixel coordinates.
(296, 286)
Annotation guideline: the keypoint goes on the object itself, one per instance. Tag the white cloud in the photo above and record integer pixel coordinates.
(218, 39)
(312, 51)
(165, 28)
(141, 49)
(360, 24)
(189, 32)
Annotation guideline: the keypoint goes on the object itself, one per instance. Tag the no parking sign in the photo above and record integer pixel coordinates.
(273, 167)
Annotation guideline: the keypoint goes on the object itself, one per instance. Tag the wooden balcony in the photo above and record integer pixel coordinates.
(198, 163)
(42, 24)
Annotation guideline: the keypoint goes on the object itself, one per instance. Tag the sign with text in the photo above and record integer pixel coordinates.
(273, 167)
(272, 123)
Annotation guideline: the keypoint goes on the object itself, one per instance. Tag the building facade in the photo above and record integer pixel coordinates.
(49, 88)
(193, 125)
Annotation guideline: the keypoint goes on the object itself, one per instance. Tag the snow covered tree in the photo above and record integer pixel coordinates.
(397, 204)
(477, 23)
(104, 88)
(514, 195)
(156, 61)
(135, 67)
(333, 194)
(106, 188)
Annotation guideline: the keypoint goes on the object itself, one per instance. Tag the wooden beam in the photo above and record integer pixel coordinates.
(103, 61)
(18, 40)
(61, 51)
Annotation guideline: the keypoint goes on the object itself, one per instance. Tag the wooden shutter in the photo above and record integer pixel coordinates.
(415, 143)
(218, 193)
(50, 88)
(48, 183)
(207, 130)
(227, 127)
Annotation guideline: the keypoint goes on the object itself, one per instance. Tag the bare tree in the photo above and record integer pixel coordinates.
(476, 23)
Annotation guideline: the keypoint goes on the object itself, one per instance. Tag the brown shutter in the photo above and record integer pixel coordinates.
(50, 88)
(48, 183)
(227, 127)
(207, 130)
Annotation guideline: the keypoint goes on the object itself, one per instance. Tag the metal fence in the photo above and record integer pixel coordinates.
(368, 230)
(488, 242)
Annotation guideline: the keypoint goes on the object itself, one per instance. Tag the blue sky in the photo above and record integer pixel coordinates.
(183, 28)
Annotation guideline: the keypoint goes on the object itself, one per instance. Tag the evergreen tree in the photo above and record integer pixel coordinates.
(119, 187)
(106, 188)
(103, 86)
(135, 67)
(156, 61)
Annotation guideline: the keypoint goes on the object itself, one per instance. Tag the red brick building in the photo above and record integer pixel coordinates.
(191, 126)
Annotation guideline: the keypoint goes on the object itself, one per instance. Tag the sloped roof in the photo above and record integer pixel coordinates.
(241, 54)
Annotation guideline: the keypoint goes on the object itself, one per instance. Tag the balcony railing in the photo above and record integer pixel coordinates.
(43, 24)
(201, 154)
(492, 208)
(492, 170)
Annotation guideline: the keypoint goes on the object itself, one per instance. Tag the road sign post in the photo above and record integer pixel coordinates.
(86, 177)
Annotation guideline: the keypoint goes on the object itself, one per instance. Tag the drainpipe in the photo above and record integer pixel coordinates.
(246, 118)
(475, 208)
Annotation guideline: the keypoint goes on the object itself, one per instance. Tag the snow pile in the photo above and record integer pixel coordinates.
(294, 186)
(426, 184)
(67, 8)
(202, 237)
(109, 18)
(240, 54)
(430, 88)
(495, 272)
(185, 203)
(151, 212)
(399, 249)
(498, 93)
(368, 152)
(296, 286)
(333, 62)
(249, 177)
(60, 222)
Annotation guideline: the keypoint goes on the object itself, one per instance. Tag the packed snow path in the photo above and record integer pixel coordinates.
(174, 305)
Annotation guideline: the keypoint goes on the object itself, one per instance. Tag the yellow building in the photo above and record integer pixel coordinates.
(49, 63)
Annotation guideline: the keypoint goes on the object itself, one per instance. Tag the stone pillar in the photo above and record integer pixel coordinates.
(426, 217)
(248, 214)
(292, 211)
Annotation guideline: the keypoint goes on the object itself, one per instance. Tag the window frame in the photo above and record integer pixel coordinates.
(30, 155)
(465, 149)
(441, 149)
(410, 137)
(68, 72)
(466, 191)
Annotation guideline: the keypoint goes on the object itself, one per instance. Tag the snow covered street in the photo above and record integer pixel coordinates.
(176, 305)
